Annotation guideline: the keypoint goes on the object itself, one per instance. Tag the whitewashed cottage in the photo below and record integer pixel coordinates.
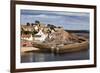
(40, 36)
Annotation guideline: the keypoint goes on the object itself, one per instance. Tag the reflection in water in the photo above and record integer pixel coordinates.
(43, 57)
(39, 57)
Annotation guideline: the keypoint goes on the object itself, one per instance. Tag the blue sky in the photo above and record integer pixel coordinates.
(68, 20)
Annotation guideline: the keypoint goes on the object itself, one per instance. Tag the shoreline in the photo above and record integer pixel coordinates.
(34, 49)
(28, 49)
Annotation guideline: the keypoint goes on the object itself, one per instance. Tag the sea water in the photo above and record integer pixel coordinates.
(45, 57)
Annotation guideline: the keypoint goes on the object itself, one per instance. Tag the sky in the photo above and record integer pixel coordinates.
(67, 20)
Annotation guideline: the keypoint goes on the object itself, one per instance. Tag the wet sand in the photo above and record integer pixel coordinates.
(28, 49)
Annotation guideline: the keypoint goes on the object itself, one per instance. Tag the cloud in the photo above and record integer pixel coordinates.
(57, 13)
(42, 16)
(73, 13)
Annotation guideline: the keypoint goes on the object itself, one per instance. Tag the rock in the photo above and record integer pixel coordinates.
(62, 37)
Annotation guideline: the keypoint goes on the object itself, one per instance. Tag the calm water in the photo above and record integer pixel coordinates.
(44, 57)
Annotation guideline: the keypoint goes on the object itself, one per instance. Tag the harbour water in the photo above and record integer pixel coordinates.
(46, 57)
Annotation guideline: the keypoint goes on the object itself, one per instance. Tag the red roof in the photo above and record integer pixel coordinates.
(25, 36)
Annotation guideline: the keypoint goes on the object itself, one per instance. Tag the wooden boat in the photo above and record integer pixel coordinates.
(63, 48)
